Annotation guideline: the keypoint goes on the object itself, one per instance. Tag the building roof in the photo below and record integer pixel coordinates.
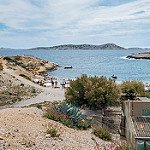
(144, 99)
(142, 126)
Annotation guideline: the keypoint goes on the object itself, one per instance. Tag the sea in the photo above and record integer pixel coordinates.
(91, 62)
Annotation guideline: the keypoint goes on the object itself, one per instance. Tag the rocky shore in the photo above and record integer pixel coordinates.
(32, 64)
(145, 55)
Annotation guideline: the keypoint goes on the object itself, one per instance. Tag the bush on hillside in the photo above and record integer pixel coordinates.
(8, 59)
(68, 115)
(24, 76)
(95, 92)
(1, 66)
(102, 133)
(52, 113)
(75, 94)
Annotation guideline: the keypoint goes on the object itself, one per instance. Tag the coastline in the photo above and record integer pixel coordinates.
(106, 62)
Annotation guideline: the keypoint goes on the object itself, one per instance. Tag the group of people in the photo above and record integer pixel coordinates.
(54, 83)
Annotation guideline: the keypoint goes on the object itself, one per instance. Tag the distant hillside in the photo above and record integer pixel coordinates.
(82, 47)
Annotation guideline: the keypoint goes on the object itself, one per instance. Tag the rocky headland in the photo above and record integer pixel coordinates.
(145, 55)
(31, 64)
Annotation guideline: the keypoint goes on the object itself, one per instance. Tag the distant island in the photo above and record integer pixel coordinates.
(107, 46)
(4, 48)
(145, 55)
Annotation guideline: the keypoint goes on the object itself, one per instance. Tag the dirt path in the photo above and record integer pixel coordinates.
(48, 93)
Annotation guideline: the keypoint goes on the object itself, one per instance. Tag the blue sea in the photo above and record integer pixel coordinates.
(92, 62)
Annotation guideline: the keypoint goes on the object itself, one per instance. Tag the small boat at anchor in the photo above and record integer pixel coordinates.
(114, 76)
(68, 67)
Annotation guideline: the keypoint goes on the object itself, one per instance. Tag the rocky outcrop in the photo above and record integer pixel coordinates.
(82, 47)
(145, 55)
(32, 64)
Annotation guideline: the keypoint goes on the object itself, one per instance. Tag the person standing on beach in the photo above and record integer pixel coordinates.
(52, 83)
(55, 83)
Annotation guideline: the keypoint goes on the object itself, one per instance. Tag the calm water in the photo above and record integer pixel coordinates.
(92, 62)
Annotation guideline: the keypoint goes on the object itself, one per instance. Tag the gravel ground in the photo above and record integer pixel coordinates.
(25, 128)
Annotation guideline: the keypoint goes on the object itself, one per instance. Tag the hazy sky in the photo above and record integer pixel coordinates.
(33, 23)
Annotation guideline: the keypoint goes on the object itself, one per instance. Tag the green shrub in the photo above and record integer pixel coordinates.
(26, 77)
(33, 90)
(8, 59)
(102, 133)
(1, 66)
(76, 93)
(95, 92)
(15, 61)
(39, 106)
(53, 132)
(145, 94)
(132, 89)
(83, 124)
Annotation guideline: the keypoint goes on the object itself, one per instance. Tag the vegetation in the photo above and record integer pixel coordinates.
(102, 133)
(94, 92)
(68, 115)
(8, 59)
(145, 94)
(53, 132)
(132, 89)
(26, 77)
(39, 106)
(115, 145)
(15, 93)
(15, 61)
(52, 113)
(83, 124)
(70, 110)
(1, 66)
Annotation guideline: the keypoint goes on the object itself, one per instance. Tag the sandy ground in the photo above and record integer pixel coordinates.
(25, 128)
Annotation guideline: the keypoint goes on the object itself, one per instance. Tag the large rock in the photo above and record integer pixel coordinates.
(145, 55)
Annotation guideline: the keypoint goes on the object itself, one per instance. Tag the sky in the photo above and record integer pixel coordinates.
(36, 23)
